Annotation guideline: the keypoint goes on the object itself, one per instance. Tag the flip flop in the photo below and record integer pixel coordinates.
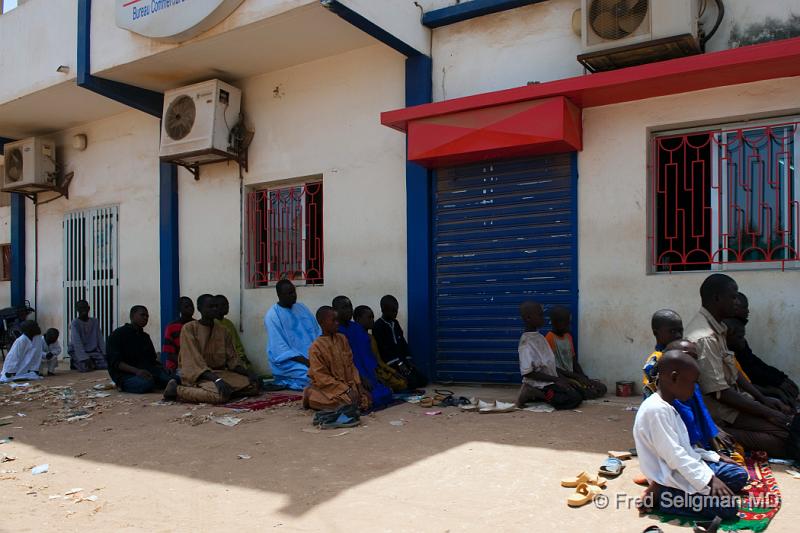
(583, 477)
(653, 529)
(611, 467)
(708, 527)
(641, 480)
(426, 402)
(622, 456)
(584, 493)
(343, 421)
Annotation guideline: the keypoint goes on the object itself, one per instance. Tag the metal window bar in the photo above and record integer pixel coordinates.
(91, 265)
(285, 235)
(725, 198)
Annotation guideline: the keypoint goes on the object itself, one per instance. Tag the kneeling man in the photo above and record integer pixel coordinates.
(210, 369)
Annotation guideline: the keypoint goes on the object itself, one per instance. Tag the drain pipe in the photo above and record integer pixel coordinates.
(149, 102)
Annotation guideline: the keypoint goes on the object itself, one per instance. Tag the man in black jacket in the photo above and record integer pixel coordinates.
(132, 361)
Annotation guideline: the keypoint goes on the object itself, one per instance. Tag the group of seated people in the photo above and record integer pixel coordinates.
(706, 395)
(331, 355)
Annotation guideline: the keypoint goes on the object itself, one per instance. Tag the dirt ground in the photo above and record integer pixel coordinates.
(144, 466)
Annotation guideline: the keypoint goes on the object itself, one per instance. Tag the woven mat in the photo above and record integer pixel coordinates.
(265, 401)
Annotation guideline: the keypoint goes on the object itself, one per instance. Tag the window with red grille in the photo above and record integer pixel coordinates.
(5, 251)
(285, 234)
(725, 197)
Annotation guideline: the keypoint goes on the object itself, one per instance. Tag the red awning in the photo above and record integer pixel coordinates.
(452, 118)
(535, 127)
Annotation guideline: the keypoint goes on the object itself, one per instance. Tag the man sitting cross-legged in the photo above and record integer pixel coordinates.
(87, 347)
(132, 361)
(291, 328)
(755, 421)
(210, 369)
(688, 481)
(540, 379)
(334, 378)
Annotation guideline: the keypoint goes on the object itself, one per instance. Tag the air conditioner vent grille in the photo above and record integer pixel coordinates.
(14, 165)
(616, 19)
(180, 117)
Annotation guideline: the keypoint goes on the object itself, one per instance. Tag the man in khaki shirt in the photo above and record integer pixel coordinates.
(754, 420)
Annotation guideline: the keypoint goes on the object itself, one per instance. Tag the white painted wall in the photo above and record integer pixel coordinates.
(37, 37)
(324, 120)
(536, 43)
(617, 295)
(401, 18)
(120, 166)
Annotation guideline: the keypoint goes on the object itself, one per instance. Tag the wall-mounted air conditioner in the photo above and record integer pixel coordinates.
(622, 33)
(29, 164)
(197, 122)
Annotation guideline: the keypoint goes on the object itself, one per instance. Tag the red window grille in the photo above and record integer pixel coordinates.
(725, 197)
(285, 237)
(5, 251)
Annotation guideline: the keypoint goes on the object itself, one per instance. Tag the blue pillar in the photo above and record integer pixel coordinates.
(17, 249)
(419, 247)
(168, 242)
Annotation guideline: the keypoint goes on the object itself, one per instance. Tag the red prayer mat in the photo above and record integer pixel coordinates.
(263, 402)
(760, 501)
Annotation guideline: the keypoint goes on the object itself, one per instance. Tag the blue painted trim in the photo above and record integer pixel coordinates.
(168, 243)
(470, 10)
(575, 289)
(17, 249)
(370, 28)
(144, 100)
(419, 222)
(149, 102)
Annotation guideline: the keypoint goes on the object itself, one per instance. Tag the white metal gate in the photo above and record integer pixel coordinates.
(91, 265)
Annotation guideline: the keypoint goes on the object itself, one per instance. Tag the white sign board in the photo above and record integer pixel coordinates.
(172, 20)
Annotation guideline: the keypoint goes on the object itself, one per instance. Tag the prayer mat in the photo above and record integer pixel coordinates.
(263, 402)
(760, 501)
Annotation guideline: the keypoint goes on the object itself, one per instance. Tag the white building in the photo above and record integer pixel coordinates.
(542, 180)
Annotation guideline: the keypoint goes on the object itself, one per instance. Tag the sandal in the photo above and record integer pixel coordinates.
(622, 456)
(708, 527)
(653, 529)
(583, 477)
(584, 493)
(426, 402)
(611, 467)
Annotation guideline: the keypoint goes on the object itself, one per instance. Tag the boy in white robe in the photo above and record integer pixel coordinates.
(685, 480)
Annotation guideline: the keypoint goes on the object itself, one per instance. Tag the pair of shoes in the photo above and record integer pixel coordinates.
(611, 467)
(584, 493)
(583, 477)
(496, 407)
(345, 416)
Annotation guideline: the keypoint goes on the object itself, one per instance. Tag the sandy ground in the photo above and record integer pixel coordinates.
(143, 466)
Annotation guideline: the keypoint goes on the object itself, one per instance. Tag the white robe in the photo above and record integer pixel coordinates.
(23, 359)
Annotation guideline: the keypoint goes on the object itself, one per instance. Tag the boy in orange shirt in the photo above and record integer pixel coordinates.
(560, 340)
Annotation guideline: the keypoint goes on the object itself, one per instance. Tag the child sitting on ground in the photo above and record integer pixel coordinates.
(25, 356)
(687, 481)
(560, 341)
(668, 328)
(334, 378)
(51, 349)
(537, 364)
(393, 346)
(387, 375)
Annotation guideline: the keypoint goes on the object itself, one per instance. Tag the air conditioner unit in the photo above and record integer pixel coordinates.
(197, 121)
(624, 33)
(29, 165)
